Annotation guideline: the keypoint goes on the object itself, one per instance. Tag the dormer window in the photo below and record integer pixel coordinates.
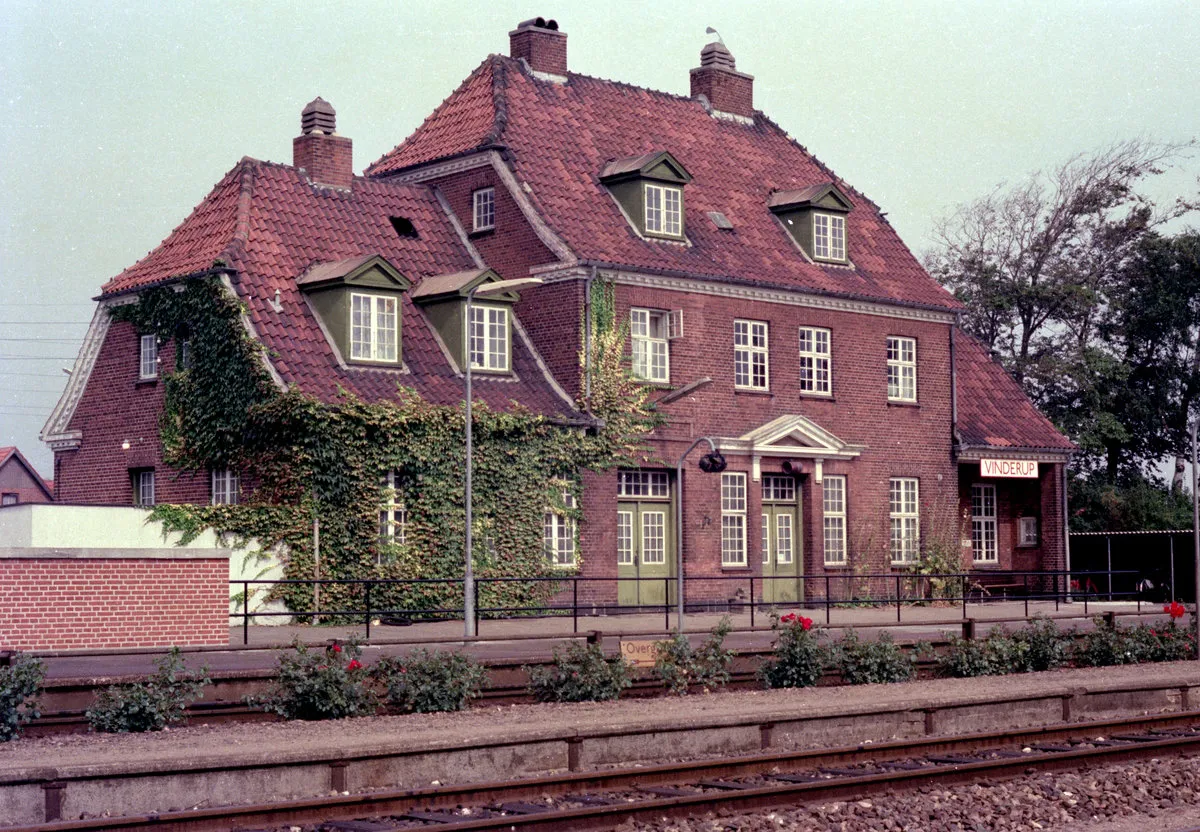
(358, 303)
(374, 327)
(483, 204)
(649, 191)
(489, 338)
(664, 210)
(815, 217)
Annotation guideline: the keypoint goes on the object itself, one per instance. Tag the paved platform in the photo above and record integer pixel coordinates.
(530, 639)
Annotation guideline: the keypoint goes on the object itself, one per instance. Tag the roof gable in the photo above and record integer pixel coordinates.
(11, 455)
(827, 195)
(459, 285)
(658, 165)
(793, 433)
(370, 271)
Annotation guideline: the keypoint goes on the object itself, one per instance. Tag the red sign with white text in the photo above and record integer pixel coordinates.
(1026, 469)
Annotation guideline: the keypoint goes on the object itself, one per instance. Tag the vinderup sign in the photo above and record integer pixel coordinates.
(1025, 469)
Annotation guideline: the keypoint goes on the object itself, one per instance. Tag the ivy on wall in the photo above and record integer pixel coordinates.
(301, 458)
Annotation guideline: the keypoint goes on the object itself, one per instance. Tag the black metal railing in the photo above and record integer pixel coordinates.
(837, 591)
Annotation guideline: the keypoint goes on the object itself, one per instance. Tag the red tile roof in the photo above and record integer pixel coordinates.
(560, 137)
(993, 411)
(270, 224)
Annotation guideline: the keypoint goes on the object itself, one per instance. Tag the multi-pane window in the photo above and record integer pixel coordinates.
(906, 531)
(652, 484)
(489, 338)
(833, 489)
(1027, 531)
(654, 537)
(148, 357)
(9, 499)
(224, 488)
(185, 354)
(664, 210)
(625, 537)
(733, 519)
(143, 487)
(829, 237)
(373, 327)
(902, 369)
(750, 354)
(393, 516)
(648, 330)
(814, 360)
(559, 532)
(483, 204)
(776, 489)
(983, 523)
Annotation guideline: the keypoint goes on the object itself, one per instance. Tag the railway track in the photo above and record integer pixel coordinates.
(605, 799)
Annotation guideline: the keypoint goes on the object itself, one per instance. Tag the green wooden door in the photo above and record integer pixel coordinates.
(782, 542)
(644, 553)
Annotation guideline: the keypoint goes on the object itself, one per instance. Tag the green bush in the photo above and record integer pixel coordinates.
(680, 666)
(1048, 647)
(581, 674)
(872, 662)
(995, 655)
(150, 705)
(320, 684)
(19, 685)
(798, 660)
(426, 681)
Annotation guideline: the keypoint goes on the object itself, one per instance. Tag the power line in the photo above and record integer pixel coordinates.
(33, 375)
(37, 357)
(43, 340)
(44, 323)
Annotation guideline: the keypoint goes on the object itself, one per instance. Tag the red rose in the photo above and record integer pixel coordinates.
(1175, 609)
(335, 647)
(354, 664)
(789, 618)
(806, 623)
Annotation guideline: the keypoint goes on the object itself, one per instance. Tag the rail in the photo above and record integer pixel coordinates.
(746, 593)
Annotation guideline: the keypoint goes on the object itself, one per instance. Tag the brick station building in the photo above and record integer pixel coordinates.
(770, 306)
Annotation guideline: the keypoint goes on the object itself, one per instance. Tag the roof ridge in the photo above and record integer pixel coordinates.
(499, 101)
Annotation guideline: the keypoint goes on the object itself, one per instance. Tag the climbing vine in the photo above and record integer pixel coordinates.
(302, 458)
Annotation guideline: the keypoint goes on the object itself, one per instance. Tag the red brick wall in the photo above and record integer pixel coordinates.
(116, 407)
(729, 92)
(328, 160)
(545, 50)
(68, 603)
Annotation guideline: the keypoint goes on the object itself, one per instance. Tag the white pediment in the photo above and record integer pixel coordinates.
(797, 437)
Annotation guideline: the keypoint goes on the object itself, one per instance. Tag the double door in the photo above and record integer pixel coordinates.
(645, 544)
(782, 542)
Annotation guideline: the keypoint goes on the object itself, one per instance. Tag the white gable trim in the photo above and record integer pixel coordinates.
(808, 440)
(55, 432)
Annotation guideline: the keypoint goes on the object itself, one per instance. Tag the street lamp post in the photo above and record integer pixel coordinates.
(712, 463)
(1195, 537)
(494, 288)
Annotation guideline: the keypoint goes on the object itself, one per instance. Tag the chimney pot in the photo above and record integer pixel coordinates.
(718, 80)
(328, 159)
(541, 44)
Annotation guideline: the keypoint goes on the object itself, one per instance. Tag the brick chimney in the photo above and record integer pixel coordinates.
(718, 80)
(324, 155)
(540, 43)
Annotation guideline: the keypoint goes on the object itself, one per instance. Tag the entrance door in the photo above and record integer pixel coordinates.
(645, 539)
(782, 542)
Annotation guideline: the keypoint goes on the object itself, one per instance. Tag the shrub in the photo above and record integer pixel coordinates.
(325, 684)
(1048, 647)
(798, 660)
(995, 655)
(581, 674)
(19, 684)
(427, 681)
(871, 662)
(150, 705)
(680, 666)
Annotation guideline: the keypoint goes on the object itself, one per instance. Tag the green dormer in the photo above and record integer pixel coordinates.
(649, 189)
(816, 218)
(487, 336)
(358, 304)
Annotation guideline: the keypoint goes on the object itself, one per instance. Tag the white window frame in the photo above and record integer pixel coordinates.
(143, 488)
(733, 520)
(382, 339)
(185, 355)
(816, 361)
(904, 511)
(10, 499)
(489, 338)
(558, 532)
(663, 207)
(984, 546)
(833, 499)
(393, 515)
(483, 209)
(901, 368)
(225, 484)
(829, 237)
(636, 483)
(1027, 531)
(148, 357)
(751, 355)
(651, 351)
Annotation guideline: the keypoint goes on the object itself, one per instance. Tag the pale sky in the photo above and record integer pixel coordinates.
(118, 117)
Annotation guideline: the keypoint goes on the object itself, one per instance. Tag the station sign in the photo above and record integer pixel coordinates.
(1025, 469)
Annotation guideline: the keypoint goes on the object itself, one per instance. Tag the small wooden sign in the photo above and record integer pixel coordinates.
(639, 653)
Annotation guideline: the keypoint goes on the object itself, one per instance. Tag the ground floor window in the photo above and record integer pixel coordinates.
(983, 523)
(833, 490)
(143, 486)
(393, 516)
(224, 488)
(559, 531)
(905, 519)
(733, 519)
